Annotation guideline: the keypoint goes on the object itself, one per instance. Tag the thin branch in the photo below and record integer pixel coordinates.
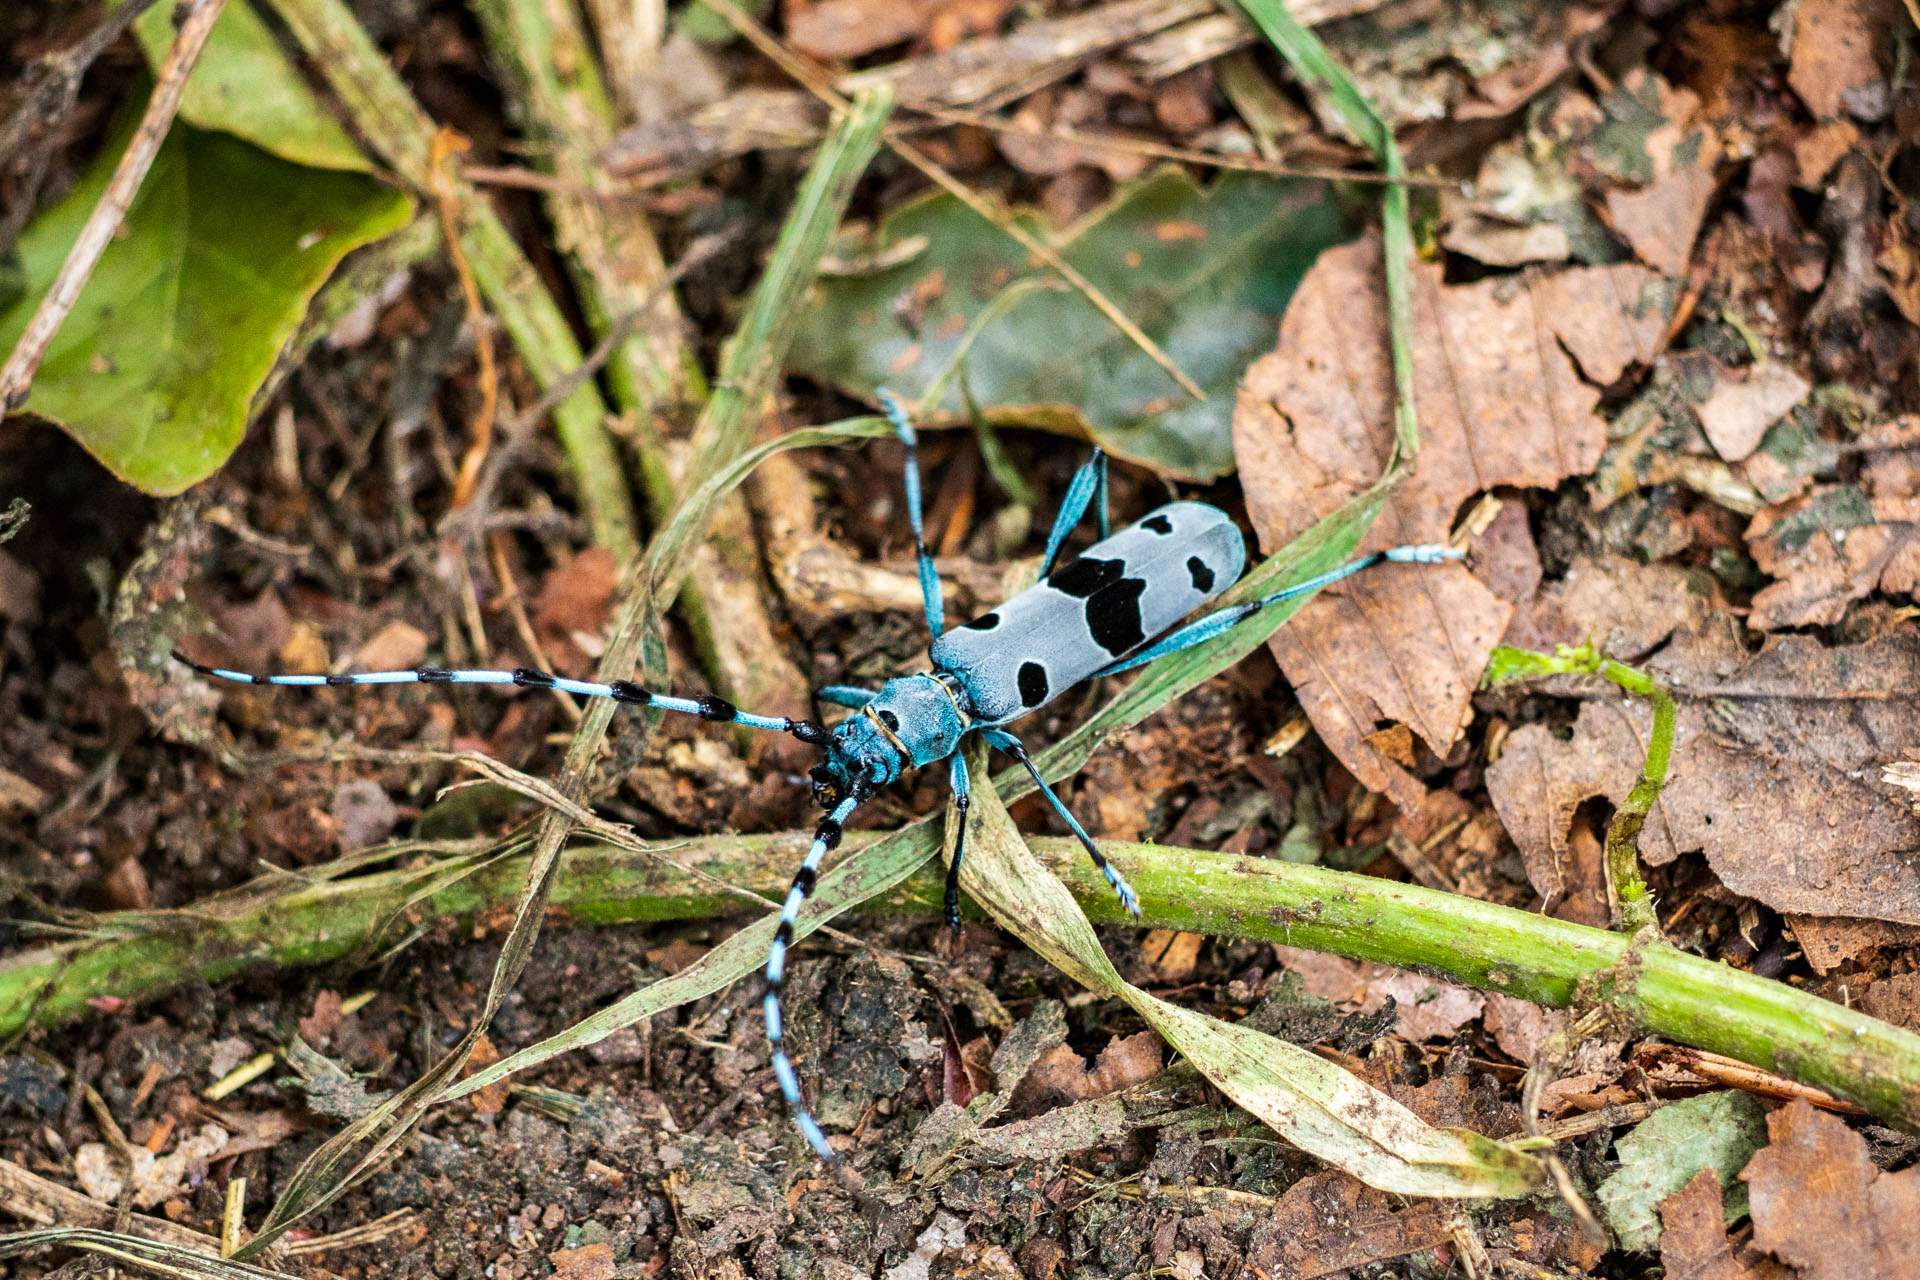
(1160, 150)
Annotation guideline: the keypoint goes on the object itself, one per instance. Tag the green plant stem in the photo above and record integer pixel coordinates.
(1626, 887)
(388, 117)
(1666, 991)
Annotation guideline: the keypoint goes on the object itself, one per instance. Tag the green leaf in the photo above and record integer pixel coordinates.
(1207, 274)
(155, 369)
(244, 85)
(1720, 1131)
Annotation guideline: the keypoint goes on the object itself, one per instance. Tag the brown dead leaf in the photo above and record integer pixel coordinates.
(1816, 151)
(1502, 244)
(835, 30)
(126, 886)
(492, 1100)
(1693, 1243)
(1173, 954)
(318, 1025)
(1743, 406)
(1895, 1000)
(588, 1262)
(1775, 772)
(1842, 50)
(1331, 1222)
(573, 604)
(1429, 1008)
(1500, 403)
(1624, 607)
(1820, 1205)
(255, 1130)
(1661, 218)
(18, 796)
(1837, 544)
(1830, 941)
(1127, 1060)
(1521, 1027)
(398, 646)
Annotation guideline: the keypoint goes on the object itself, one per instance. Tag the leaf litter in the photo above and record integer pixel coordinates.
(1506, 376)
(1753, 465)
(1775, 769)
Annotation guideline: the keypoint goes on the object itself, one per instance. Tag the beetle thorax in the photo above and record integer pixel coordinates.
(913, 721)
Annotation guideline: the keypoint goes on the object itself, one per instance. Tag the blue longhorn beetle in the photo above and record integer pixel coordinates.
(1092, 618)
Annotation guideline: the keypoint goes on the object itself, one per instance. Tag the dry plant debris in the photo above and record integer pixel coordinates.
(1821, 1206)
(1664, 345)
(1507, 386)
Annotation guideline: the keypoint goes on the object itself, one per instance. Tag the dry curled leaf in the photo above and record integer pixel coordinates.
(1820, 1205)
(1502, 400)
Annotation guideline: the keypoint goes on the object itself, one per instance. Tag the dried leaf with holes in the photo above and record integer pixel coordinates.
(1502, 401)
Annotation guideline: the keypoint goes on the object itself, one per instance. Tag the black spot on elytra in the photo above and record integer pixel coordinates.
(985, 622)
(1159, 524)
(888, 719)
(1113, 616)
(1202, 576)
(1087, 575)
(1033, 684)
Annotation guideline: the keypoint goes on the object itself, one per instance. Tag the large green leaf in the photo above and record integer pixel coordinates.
(1205, 273)
(243, 84)
(155, 369)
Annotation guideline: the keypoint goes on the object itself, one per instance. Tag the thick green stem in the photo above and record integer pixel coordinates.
(1668, 992)
(387, 116)
(1626, 887)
